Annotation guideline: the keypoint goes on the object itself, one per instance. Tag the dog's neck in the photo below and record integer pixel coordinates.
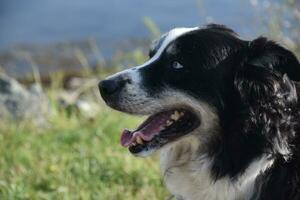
(186, 170)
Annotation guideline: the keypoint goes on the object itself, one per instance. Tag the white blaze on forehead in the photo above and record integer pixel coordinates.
(171, 36)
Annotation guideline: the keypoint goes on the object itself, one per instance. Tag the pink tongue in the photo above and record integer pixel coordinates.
(126, 138)
(146, 131)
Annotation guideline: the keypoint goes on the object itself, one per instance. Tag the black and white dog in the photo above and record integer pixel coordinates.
(223, 112)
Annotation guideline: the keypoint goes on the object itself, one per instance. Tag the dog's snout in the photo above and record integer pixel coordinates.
(109, 87)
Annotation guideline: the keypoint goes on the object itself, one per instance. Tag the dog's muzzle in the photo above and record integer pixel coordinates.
(110, 88)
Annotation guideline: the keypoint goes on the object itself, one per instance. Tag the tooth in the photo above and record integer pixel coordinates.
(139, 140)
(175, 116)
(169, 122)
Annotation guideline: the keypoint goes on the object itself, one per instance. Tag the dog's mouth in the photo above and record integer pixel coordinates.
(159, 129)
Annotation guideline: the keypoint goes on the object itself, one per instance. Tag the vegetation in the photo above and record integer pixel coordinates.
(74, 158)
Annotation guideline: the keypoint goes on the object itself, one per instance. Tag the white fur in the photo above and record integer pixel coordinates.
(186, 168)
(171, 36)
(187, 175)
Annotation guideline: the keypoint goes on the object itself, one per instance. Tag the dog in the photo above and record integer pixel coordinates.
(223, 111)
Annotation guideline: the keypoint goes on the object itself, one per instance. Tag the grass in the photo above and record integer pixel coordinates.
(75, 158)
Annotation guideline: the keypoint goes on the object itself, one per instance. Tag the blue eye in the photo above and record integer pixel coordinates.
(177, 65)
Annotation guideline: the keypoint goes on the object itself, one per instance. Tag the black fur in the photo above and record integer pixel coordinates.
(252, 85)
(264, 119)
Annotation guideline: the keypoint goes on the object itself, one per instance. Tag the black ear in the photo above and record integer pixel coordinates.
(266, 53)
(221, 28)
(261, 75)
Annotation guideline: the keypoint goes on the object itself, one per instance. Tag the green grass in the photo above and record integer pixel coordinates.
(75, 158)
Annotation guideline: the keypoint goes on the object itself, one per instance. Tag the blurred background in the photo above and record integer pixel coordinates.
(57, 139)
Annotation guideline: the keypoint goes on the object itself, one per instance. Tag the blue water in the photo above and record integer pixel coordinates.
(37, 26)
(51, 21)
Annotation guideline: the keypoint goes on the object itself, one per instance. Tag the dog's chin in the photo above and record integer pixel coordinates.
(160, 129)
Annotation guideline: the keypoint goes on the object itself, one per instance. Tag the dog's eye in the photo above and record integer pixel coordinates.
(177, 65)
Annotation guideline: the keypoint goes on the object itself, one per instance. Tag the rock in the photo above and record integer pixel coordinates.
(73, 102)
(88, 109)
(19, 103)
(78, 97)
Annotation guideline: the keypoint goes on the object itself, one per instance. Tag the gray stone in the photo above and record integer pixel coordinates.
(19, 103)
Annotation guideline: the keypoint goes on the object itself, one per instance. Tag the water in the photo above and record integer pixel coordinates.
(49, 21)
(110, 22)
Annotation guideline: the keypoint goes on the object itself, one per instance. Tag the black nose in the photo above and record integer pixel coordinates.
(110, 86)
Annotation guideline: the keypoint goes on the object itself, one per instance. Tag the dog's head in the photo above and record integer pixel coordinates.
(195, 81)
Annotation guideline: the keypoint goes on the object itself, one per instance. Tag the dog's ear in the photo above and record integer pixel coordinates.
(221, 29)
(266, 53)
(261, 74)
